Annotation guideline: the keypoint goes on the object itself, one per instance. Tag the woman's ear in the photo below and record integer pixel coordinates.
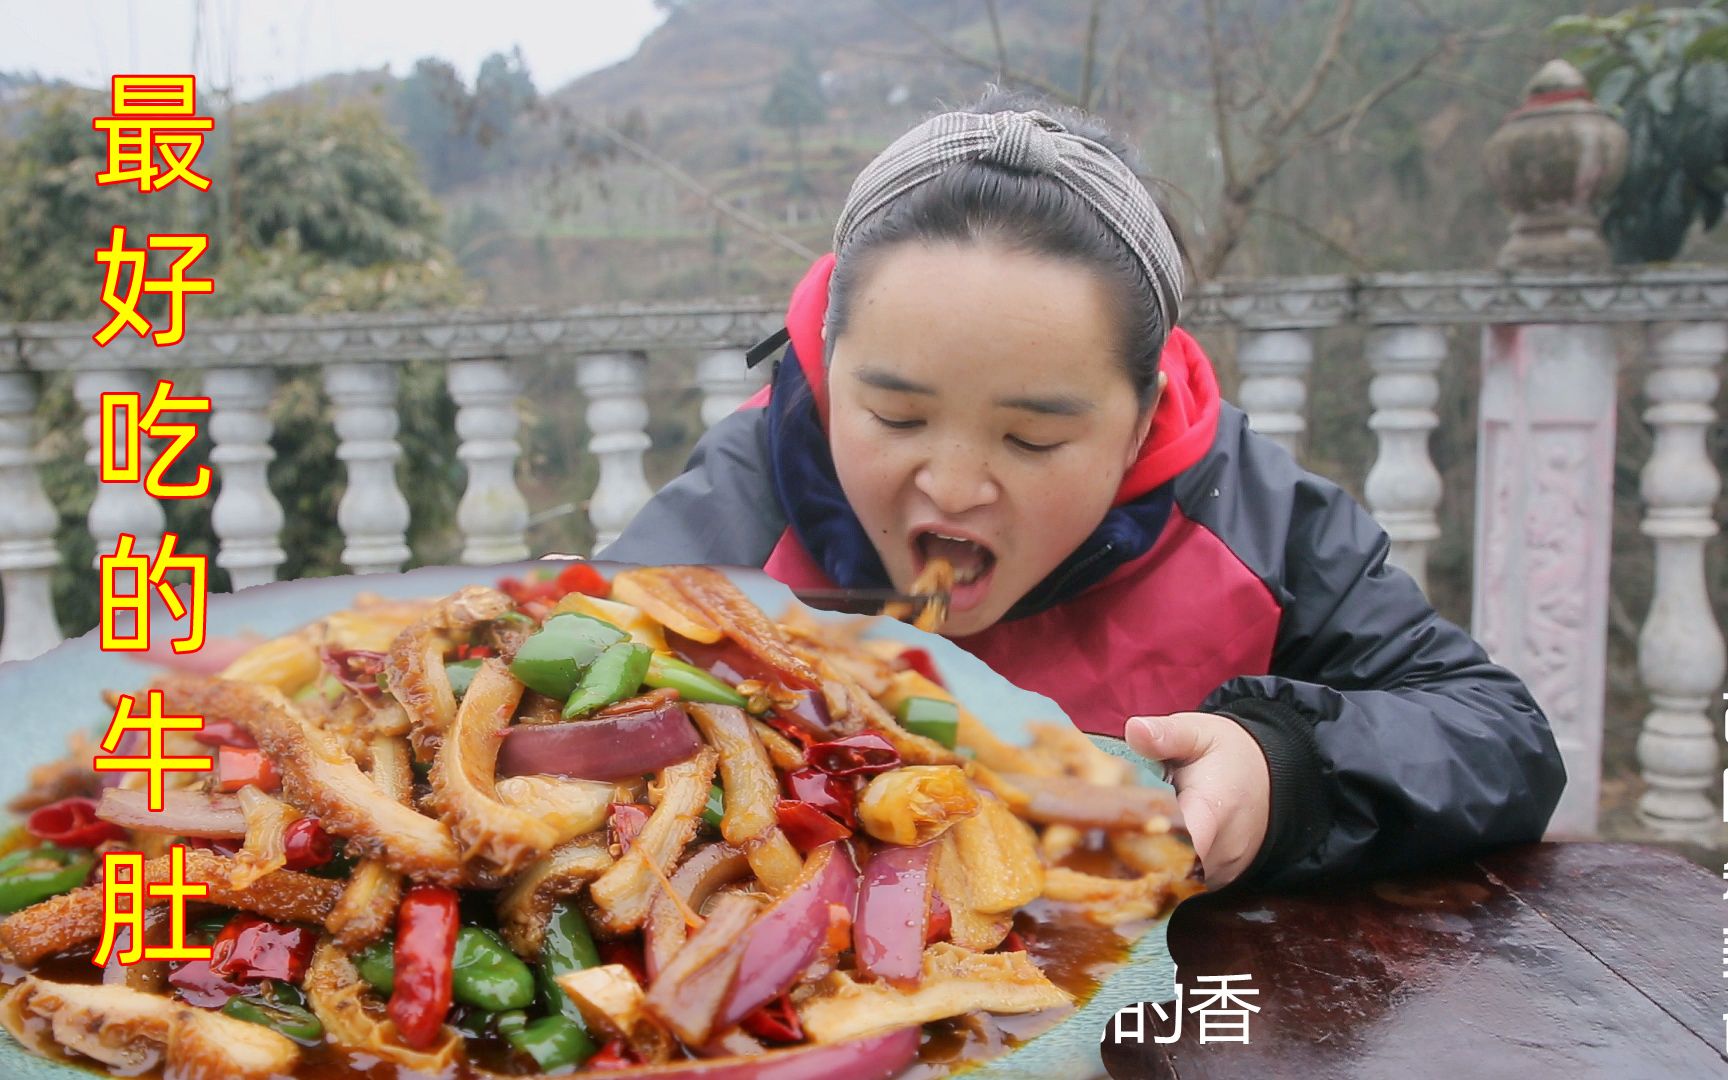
(1144, 428)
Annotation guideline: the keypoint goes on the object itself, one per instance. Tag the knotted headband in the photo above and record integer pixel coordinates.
(1028, 142)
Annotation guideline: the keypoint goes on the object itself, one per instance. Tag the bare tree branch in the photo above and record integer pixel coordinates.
(1220, 110)
(1356, 259)
(689, 183)
(1088, 61)
(996, 35)
(1283, 117)
(1008, 75)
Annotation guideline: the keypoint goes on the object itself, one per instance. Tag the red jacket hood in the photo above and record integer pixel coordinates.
(1182, 426)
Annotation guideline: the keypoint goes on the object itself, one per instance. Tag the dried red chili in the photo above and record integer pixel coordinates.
(426, 926)
(776, 1021)
(827, 793)
(807, 827)
(251, 948)
(72, 822)
(307, 845)
(856, 755)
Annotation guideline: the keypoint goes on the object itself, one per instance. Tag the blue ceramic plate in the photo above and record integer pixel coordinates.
(48, 698)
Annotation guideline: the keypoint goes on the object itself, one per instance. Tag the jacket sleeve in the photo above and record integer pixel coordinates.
(720, 510)
(1391, 739)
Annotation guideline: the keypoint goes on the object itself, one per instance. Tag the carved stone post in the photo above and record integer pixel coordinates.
(1680, 649)
(1274, 392)
(118, 508)
(1403, 486)
(27, 521)
(726, 383)
(1545, 448)
(246, 517)
(493, 514)
(373, 514)
(618, 418)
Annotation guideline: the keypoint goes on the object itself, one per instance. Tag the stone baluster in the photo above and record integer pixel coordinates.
(493, 514)
(119, 507)
(1680, 648)
(1274, 365)
(247, 518)
(27, 520)
(726, 383)
(617, 417)
(373, 514)
(1403, 486)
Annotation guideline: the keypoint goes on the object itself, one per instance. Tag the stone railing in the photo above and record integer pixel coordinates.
(1547, 406)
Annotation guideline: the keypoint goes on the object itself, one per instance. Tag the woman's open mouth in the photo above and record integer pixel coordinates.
(972, 559)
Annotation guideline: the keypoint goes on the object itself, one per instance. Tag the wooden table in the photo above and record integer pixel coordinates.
(1547, 960)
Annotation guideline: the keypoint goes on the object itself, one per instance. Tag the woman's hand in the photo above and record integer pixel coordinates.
(1222, 785)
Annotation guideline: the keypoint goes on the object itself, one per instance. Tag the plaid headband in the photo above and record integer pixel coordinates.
(1026, 142)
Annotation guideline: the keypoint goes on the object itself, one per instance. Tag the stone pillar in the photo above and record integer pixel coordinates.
(246, 517)
(618, 419)
(1680, 648)
(373, 514)
(1403, 486)
(119, 508)
(726, 383)
(493, 514)
(1545, 446)
(27, 522)
(1274, 364)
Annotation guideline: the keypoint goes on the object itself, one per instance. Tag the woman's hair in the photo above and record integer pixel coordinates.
(975, 202)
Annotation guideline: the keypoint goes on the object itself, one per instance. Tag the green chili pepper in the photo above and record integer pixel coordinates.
(553, 659)
(932, 718)
(461, 674)
(716, 808)
(35, 874)
(506, 1022)
(205, 928)
(553, 1042)
(280, 1007)
(376, 963)
(487, 973)
(614, 676)
(568, 946)
(692, 683)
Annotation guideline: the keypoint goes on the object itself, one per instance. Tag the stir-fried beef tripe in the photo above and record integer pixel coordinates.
(935, 581)
(320, 778)
(501, 838)
(415, 670)
(572, 826)
(66, 922)
(131, 1031)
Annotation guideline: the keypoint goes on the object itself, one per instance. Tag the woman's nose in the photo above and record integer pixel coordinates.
(955, 485)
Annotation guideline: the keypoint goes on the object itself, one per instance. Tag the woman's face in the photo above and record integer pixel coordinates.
(979, 410)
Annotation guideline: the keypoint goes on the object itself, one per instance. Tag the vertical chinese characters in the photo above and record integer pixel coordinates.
(154, 136)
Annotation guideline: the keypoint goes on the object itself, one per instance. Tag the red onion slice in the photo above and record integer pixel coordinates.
(786, 939)
(893, 908)
(604, 748)
(183, 813)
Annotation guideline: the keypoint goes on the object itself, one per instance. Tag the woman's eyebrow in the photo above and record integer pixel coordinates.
(1057, 405)
(885, 380)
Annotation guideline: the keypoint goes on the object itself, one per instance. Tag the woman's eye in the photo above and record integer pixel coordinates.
(1032, 447)
(897, 425)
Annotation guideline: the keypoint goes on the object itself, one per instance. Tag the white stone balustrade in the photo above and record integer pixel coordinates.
(1680, 647)
(27, 521)
(373, 512)
(493, 515)
(246, 516)
(1538, 570)
(1403, 486)
(617, 419)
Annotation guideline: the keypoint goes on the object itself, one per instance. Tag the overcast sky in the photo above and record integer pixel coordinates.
(273, 44)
